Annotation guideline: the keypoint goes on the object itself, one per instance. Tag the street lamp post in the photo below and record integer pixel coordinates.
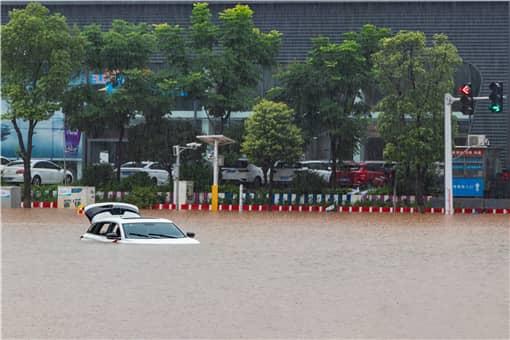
(177, 149)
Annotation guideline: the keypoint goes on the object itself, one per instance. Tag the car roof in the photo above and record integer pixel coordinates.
(130, 219)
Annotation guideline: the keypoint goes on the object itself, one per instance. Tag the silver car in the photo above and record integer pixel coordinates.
(156, 171)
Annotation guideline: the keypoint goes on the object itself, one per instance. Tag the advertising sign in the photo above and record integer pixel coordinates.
(50, 139)
(72, 141)
(468, 187)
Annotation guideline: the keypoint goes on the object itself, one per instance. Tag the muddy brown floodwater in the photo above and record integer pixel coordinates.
(259, 275)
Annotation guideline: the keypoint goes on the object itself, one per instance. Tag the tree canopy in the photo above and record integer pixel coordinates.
(39, 53)
(271, 136)
(326, 90)
(414, 78)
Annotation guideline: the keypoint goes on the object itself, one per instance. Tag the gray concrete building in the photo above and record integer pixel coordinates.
(479, 29)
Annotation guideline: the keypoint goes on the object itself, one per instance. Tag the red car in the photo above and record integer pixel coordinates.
(362, 174)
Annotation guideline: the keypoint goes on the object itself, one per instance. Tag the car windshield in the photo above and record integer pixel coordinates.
(144, 230)
(15, 163)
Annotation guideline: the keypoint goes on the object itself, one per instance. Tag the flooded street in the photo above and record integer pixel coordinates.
(259, 275)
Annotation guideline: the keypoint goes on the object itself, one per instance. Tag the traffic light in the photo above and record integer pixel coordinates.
(496, 97)
(466, 99)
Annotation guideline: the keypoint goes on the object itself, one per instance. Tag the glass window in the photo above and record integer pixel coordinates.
(144, 230)
(157, 166)
(40, 165)
(5, 161)
(15, 163)
(52, 166)
(104, 229)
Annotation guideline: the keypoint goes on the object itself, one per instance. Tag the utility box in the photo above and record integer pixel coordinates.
(11, 197)
(73, 197)
(185, 192)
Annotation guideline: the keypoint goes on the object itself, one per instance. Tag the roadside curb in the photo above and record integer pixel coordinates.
(307, 208)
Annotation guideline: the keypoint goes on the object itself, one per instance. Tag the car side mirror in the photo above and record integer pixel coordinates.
(112, 236)
(190, 235)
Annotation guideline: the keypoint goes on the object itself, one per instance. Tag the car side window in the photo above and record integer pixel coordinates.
(40, 165)
(157, 166)
(95, 228)
(52, 166)
(113, 228)
(104, 229)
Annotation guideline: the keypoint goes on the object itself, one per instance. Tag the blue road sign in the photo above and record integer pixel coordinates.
(467, 187)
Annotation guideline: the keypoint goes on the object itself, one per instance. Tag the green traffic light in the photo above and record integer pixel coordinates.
(495, 107)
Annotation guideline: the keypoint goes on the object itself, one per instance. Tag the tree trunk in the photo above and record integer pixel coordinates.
(419, 188)
(332, 156)
(270, 186)
(26, 154)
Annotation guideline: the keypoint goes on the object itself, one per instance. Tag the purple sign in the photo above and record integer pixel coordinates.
(72, 141)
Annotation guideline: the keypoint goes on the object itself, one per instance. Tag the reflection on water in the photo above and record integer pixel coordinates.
(255, 275)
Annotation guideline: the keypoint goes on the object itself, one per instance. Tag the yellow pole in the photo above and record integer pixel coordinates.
(215, 178)
(214, 197)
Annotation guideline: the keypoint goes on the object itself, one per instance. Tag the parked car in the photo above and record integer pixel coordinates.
(319, 167)
(284, 172)
(156, 171)
(369, 173)
(114, 222)
(42, 172)
(243, 172)
(3, 163)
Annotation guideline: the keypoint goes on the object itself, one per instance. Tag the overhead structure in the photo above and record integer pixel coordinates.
(215, 140)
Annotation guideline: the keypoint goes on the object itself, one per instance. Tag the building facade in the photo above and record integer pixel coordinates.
(479, 29)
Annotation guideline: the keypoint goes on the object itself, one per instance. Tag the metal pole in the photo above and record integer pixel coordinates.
(176, 180)
(448, 181)
(240, 197)
(215, 178)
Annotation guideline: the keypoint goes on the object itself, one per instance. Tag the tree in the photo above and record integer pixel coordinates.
(39, 53)
(227, 59)
(125, 48)
(326, 90)
(414, 79)
(271, 136)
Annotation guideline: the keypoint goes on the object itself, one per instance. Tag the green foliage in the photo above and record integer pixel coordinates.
(414, 79)
(38, 55)
(99, 175)
(271, 136)
(154, 140)
(227, 59)
(200, 172)
(308, 182)
(45, 193)
(326, 91)
(142, 196)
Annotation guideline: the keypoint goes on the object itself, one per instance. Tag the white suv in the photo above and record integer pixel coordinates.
(243, 172)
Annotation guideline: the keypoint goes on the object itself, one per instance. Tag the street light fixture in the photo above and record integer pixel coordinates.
(177, 149)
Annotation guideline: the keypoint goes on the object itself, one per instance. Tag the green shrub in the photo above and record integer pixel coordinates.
(308, 182)
(99, 176)
(199, 172)
(142, 196)
(44, 193)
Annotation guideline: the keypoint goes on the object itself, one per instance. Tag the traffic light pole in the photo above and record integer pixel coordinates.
(448, 177)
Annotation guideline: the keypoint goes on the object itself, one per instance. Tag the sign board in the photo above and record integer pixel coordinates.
(73, 197)
(468, 187)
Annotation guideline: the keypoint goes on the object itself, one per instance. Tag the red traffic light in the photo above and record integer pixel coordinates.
(466, 90)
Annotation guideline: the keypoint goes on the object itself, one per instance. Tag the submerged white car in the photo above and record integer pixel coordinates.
(122, 223)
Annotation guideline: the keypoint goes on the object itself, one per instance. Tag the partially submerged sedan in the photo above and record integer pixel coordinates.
(122, 223)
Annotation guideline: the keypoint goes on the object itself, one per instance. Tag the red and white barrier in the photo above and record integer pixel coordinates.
(316, 208)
